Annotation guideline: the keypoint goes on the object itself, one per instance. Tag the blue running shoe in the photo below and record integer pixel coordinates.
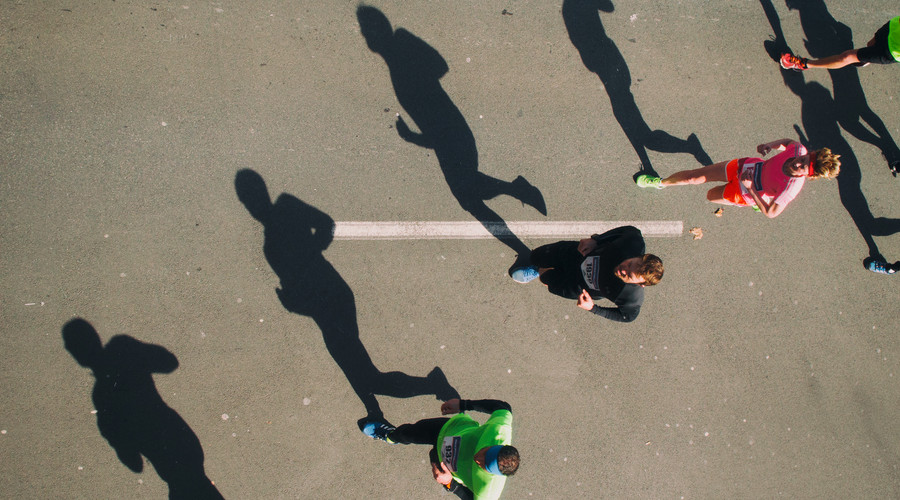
(525, 274)
(880, 267)
(379, 430)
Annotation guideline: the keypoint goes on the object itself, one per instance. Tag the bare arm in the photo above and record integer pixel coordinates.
(771, 210)
(780, 145)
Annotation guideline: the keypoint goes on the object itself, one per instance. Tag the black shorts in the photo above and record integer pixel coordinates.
(565, 279)
(878, 52)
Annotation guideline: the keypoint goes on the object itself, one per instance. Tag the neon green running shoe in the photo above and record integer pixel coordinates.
(646, 181)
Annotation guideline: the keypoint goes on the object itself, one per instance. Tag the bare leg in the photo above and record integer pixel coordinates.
(716, 195)
(834, 62)
(710, 173)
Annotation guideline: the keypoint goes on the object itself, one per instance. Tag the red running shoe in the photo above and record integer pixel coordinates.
(790, 61)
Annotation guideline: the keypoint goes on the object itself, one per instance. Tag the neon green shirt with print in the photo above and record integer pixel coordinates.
(459, 440)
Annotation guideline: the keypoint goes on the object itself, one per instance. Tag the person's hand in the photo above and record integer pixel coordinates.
(450, 406)
(587, 246)
(441, 473)
(403, 129)
(764, 149)
(585, 301)
(747, 179)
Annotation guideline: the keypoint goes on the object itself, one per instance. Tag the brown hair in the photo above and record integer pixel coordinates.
(508, 460)
(651, 269)
(828, 164)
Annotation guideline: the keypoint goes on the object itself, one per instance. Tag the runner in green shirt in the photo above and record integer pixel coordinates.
(883, 48)
(469, 459)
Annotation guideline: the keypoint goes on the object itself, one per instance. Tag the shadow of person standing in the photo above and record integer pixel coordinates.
(416, 69)
(600, 55)
(823, 115)
(295, 236)
(131, 414)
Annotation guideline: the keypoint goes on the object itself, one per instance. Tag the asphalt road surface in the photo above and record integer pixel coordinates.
(149, 151)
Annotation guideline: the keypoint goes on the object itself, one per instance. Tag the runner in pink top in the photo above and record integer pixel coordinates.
(767, 185)
(772, 182)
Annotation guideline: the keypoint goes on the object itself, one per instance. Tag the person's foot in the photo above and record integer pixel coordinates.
(525, 274)
(790, 61)
(881, 267)
(696, 149)
(860, 64)
(529, 194)
(378, 430)
(895, 167)
(443, 391)
(647, 181)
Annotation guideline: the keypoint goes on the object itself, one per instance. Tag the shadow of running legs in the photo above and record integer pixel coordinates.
(601, 56)
(295, 235)
(416, 69)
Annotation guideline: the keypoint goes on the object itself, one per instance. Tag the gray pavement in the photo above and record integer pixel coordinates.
(764, 365)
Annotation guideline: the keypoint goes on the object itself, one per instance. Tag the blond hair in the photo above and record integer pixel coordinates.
(828, 164)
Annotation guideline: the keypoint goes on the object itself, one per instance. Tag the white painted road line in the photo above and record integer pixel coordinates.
(473, 230)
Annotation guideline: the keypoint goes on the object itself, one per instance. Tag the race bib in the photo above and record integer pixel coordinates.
(590, 268)
(756, 169)
(450, 452)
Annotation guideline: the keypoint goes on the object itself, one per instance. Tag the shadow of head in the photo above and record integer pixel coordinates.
(375, 28)
(253, 193)
(83, 342)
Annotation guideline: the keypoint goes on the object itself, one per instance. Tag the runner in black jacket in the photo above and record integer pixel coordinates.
(611, 266)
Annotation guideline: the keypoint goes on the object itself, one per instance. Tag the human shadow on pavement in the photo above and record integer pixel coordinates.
(295, 235)
(600, 55)
(416, 69)
(823, 115)
(131, 414)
